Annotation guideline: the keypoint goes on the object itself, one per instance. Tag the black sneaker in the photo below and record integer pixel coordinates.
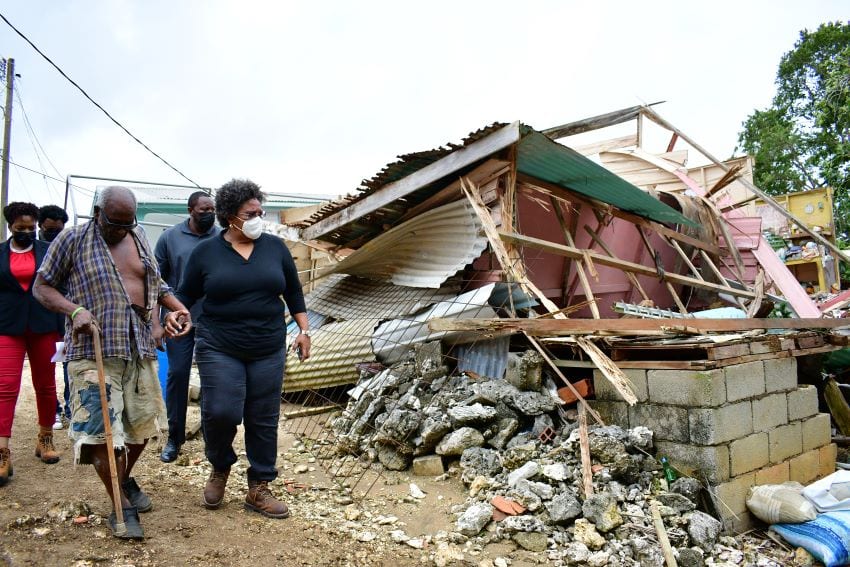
(170, 452)
(137, 498)
(133, 529)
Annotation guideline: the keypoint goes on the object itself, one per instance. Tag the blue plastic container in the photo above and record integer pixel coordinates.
(162, 358)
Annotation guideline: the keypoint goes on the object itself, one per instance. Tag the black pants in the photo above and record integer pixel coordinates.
(177, 386)
(233, 391)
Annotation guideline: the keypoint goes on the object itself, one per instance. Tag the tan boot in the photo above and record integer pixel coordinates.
(261, 500)
(45, 450)
(5, 465)
(214, 490)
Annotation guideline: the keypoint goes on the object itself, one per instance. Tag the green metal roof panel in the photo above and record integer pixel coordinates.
(540, 157)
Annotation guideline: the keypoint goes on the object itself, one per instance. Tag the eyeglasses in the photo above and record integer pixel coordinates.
(118, 225)
(248, 216)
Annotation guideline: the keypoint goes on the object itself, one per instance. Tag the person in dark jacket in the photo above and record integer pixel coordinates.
(240, 343)
(51, 221)
(172, 252)
(26, 329)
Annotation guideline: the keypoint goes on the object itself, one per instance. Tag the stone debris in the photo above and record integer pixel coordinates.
(520, 459)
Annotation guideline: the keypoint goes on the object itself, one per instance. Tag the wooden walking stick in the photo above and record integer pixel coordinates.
(120, 527)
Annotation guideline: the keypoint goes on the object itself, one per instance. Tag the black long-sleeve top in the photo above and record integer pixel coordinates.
(242, 313)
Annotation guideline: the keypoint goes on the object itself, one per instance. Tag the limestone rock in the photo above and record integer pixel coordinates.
(526, 471)
(601, 509)
(690, 557)
(703, 529)
(474, 519)
(532, 403)
(676, 501)
(478, 461)
(532, 541)
(513, 524)
(563, 508)
(474, 415)
(557, 472)
(584, 532)
(505, 429)
(456, 442)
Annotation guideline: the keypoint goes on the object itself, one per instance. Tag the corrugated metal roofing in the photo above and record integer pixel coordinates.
(393, 339)
(345, 298)
(335, 349)
(541, 158)
(488, 357)
(422, 252)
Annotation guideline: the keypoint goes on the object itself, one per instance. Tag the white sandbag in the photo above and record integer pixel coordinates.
(831, 493)
(780, 503)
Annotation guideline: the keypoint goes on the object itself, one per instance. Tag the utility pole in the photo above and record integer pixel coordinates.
(7, 134)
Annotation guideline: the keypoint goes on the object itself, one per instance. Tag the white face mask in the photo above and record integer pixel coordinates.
(252, 228)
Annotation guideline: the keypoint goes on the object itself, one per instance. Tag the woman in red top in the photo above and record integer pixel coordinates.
(26, 328)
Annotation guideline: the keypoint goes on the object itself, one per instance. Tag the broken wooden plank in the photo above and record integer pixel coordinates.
(624, 265)
(838, 406)
(663, 540)
(609, 370)
(453, 162)
(564, 327)
(585, 284)
(584, 444)
(607, 249)
(512, 266)
(307, 412)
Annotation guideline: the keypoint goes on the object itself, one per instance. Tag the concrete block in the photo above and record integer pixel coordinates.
(817, 431)
(612, 413)
(827, 456)
(710, 426)
(429, 465)
(804, 468)
(748, 454)
(711, 462)
(606, 391)
(802, 402)
(785, 441)
(780, 374)
(731, 496)
(770, 411)
(666, 422)
(744, 381)
(691, 388)
(776, 474)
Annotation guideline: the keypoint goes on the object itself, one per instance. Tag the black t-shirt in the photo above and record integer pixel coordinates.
(243, 313)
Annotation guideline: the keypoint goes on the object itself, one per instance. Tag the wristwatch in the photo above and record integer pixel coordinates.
(304, 332)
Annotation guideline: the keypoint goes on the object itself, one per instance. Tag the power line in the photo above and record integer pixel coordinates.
(80, 187)
(33, 141)
(32, 130)
(85, 94)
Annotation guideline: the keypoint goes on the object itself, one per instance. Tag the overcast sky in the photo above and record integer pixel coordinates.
(315, 96)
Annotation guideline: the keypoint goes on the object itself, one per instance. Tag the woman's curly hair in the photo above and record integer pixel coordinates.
(16, 210)
(232, 195)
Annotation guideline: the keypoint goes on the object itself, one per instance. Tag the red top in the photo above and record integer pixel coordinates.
(22, 266)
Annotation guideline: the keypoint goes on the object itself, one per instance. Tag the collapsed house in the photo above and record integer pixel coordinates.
(626, 274)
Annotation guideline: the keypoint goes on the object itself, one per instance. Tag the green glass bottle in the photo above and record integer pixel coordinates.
(669, 472)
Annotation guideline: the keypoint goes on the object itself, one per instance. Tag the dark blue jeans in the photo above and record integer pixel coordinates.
(233, 391)
(177, 385)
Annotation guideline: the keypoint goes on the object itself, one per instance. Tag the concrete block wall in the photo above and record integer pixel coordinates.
(734, 427)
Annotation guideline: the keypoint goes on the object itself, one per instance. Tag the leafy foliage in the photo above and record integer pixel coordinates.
(803, 140)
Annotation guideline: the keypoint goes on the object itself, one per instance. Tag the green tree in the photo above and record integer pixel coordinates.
(802, 141)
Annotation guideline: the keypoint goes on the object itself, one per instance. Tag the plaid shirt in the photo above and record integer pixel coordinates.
(79, 262)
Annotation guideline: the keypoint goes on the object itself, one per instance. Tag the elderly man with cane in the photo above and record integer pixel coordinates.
(112, 286)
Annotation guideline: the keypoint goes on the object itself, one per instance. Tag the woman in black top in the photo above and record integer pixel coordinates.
(26, 328)
(244, 277)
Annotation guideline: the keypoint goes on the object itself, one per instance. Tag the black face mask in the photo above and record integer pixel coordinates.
(23, 238)
(50, 235)
(205, 221)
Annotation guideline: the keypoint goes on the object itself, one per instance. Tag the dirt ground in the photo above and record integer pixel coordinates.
(56, 514)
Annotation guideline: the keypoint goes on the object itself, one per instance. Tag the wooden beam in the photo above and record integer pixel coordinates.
(585, 284)
(607, 249)
(481, 175)
(565, 327)
(584, 444)
(605, 145)
(624, 265)
(595, 122)
(476, 151)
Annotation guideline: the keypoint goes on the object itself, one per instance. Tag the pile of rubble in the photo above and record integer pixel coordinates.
(518, 452)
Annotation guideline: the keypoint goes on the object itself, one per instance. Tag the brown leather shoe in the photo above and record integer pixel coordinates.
(45, 450)
(5, 465)
(261, 500)
(214, 490)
